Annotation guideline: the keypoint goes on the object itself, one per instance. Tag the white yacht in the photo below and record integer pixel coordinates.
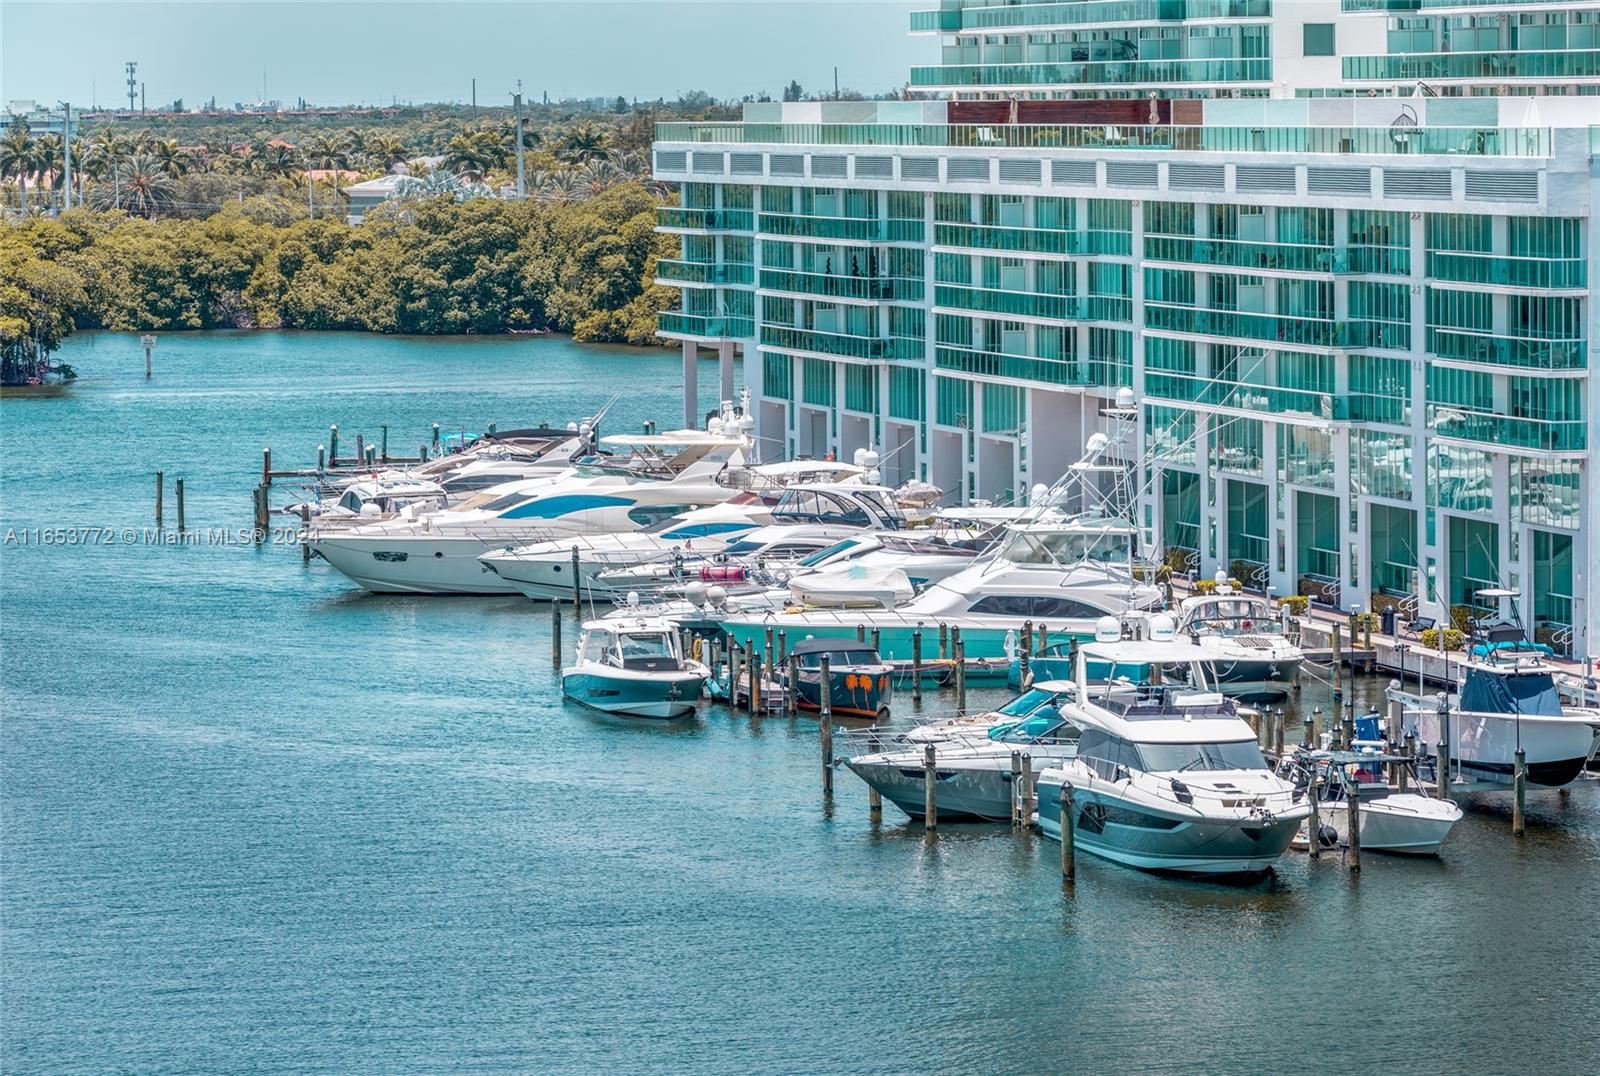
(1254, 658)
(1169, 778)
(1406, 823)
(661, 477)
(634, 668)
(543, 570)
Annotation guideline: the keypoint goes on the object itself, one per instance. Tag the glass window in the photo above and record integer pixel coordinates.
(1165, 757)
(1318, 39)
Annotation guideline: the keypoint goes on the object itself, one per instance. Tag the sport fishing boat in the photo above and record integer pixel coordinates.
(972, 764)
(1254, 657)
(543, 570)
(1168, 778)
(1506, 698)
(860, 683)
(437, 553)
(634, 668)
(1408, 823)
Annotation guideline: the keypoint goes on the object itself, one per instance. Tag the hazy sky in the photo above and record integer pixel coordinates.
(372, 50)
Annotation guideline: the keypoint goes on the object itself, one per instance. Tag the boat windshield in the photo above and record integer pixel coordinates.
(1169, 757)
(1066, 547)
(1026, 703)
(823, 554)
(1046, 726)
(646, 645)
(839, 658)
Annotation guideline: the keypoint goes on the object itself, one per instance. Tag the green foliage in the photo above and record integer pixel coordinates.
(429, 266)
(1453, 639)
(1205, 586)
(1297, 604)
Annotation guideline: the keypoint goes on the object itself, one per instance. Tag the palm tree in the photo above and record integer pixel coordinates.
(139, 184)
(327, 151)
(597, 174)
(386, 150)
(580, 142)
(47, 162)
(17, 156)
(173, 157)
(466, 154)
(562, 187)
(279, 161)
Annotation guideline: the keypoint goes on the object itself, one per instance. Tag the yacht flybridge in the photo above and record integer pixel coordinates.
(651, 478)
(1166, 777)
(1254, 657)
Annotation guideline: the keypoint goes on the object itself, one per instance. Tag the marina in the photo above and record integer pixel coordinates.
(358, 783)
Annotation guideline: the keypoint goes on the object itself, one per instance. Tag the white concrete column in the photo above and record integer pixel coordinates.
(691, 385)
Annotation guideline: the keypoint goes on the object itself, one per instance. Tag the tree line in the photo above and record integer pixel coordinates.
(429, 264)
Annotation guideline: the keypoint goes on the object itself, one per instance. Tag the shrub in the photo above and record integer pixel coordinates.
(1453, 639)
(1205, 586)
(1298, 604)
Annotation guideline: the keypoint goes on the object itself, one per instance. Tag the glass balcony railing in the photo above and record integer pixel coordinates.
(1267, 399)
(724, 220)
(1371, 407)
(1365, 258)
(1462, 141)
(1094, 73)
(1475, 268)
(704, 272)
(1033, 240)
(1499, 350)
(1506, 430)
(1242, 254)
(721, 326)
(1474, 66)
(858, 229)
(834, 285)
(1028, 304)
(1273, 328)
(1363, 6)
(979, 17)
(1049, 371)
(832, 343)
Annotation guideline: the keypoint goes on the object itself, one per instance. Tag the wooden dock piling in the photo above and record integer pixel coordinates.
(179, 491)
(161, 478)
(322, 458)
(1519, 793)
(961, 671)
(944, 642)
(733, 675)
(877, 637)
(1277, 733)
(577, 587)
(1017, 818)
(1338, 669)
(383, 443)
(861, 633)
(1314, 823)
(916, 665)
(1027, 788)
(783, 645)
(266, 466)
(1044, 638)
(1410, 751)
(794, 685)
(1069, 836)
(825, 721)
(1441, 758)
(1308, 735)
(930, 777)
(555, 635)
(1353, 816)
(361, 450)
(756, 666)
(333, 446)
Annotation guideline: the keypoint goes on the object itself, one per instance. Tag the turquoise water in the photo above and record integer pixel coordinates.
(255, 819)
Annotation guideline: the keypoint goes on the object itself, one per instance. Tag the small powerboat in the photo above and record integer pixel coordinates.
(635, 668)
(1410, 823)
(860, 683)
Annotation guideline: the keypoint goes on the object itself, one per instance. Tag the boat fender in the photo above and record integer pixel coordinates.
(1181, 790)
(1327, 836)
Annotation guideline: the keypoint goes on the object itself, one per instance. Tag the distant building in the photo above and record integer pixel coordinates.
(370, 194)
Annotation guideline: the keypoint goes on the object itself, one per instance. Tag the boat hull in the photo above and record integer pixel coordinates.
(1406, 824)
(853, 691)
(970, 793)
(1484, 745)
(437, 565)
(1169, 843)
(1256, 679)
(658, 697)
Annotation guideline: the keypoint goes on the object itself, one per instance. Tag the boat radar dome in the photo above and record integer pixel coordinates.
(572, 427)
(717, 596)
(696, 593)
(857, 458)
(715, 425)
(633, 597)
(873, 477)
(1107, 630)
(1097, 444)
(1163, 628)
(1124, 397)
(1040, 492)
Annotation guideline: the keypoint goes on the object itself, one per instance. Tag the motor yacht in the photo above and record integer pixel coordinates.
(1407, 823)
(1255, 658)
(661, 476)
(634, 668)
(1166, 777)
(860, 683)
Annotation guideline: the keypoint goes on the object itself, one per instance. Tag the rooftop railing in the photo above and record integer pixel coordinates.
(1094, 72)
(1469, 141)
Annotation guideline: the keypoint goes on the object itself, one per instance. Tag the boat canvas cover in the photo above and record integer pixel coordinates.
(852, 650)
(1531, 694)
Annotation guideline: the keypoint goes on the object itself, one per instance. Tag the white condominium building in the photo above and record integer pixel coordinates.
(1340, 252)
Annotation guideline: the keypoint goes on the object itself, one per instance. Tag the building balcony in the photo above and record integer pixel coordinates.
(989, 237)
(1093, 73)
(1048, 371)
(1271, 328)
(704, 220)
(1474, 66)
(1455, 141)
(704, 326)
(710, 273)
(842, 344)
(1387, 410)
(1500, 269)
(837, 286)
(1490, 350)
(854, 229)
(1028, 304)
(1242, 254)
(1358, 7)
(1267, 400)
(1506, 430)
(1369, 259)
(1085, 13)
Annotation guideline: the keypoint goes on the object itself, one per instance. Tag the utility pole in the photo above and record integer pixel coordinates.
(475, 100)
(132, 66)
(516, 99)
(835, 82)
(66, 147)
(141, 97)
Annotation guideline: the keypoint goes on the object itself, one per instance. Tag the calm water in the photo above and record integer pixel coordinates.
(255, 819)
